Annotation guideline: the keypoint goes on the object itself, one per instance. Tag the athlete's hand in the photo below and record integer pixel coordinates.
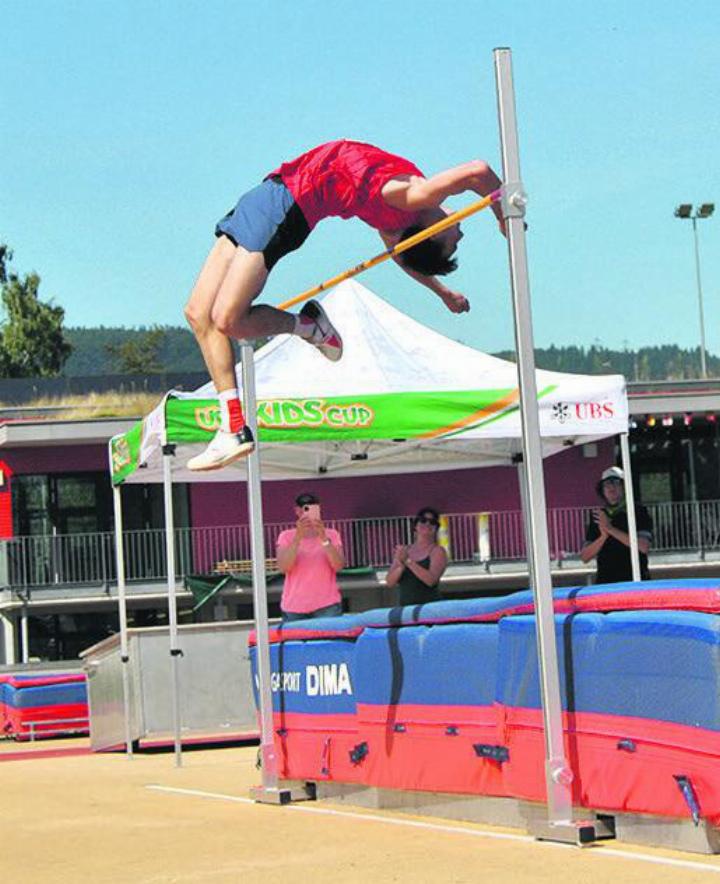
(455, 301)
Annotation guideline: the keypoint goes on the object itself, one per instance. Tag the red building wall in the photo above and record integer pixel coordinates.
(570, 478)
(58, 459)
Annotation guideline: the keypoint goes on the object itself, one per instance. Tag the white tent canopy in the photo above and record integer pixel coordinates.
(466, 403)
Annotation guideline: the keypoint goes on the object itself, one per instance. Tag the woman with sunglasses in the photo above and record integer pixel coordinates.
(417, 569)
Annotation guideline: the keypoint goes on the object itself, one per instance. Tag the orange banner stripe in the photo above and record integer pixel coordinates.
(489, 410)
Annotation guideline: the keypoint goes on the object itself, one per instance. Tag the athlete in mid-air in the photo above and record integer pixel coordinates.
(346, 179)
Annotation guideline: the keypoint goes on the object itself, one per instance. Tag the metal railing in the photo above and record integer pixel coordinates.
(52, 727)
(73, 559)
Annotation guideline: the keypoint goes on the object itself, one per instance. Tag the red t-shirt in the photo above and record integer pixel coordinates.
(345, 179)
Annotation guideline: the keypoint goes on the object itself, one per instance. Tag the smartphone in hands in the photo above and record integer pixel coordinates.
(312, 510)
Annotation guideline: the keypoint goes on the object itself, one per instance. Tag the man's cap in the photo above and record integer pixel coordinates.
(612, 473)
(307, 497)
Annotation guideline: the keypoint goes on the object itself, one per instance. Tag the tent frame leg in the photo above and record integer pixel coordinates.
(168, 451)
(122, 616)
(630, 503)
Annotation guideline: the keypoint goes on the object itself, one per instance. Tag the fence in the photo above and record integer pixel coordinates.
(71, 559)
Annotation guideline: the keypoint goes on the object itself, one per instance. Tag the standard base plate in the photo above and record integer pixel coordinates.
(583, 829)
(581, 833)
(283, 795)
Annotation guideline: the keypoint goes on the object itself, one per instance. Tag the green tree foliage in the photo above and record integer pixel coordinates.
(666, 362)
(178, 352)
(32, 340)
(139, 354)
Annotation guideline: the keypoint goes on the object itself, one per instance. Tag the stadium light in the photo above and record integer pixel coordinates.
(704, 210)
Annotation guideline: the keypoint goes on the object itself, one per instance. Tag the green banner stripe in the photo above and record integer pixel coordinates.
(125, 453)
(317, 419)
(314, 419)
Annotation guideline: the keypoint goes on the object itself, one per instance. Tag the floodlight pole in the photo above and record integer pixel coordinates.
(558, 774)
(685, 211)
(703, 362)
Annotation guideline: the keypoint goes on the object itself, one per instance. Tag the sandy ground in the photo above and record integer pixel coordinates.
(102, 818)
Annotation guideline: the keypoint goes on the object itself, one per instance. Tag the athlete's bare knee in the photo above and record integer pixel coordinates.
(197, 317)
(227, 321)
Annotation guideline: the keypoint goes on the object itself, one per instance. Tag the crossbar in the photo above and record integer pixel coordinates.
(404, 245)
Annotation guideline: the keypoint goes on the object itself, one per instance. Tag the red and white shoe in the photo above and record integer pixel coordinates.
(224, 449)
(324, 334)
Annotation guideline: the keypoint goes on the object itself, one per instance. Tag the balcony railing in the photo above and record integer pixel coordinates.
(71, 559)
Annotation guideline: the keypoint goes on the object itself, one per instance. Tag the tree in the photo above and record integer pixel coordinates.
(139, 355)
(32, 341)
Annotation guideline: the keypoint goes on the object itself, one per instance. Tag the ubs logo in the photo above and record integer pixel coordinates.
(560, 412)
(594, 411)
(582, 411)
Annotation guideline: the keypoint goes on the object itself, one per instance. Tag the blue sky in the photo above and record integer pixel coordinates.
(129, 127)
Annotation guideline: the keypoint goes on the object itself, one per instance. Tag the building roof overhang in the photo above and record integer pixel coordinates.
(43, 433)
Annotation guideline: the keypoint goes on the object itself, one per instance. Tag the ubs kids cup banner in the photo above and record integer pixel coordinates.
(402, 398)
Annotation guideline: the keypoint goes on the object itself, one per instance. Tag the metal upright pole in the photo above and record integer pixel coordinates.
(257, 541)
(122, 615)
(168, 451)
(558, 774)
(630, 504)
(269, 792)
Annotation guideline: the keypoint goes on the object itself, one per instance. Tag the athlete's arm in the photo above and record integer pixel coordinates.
(454, 301)
(414, 193)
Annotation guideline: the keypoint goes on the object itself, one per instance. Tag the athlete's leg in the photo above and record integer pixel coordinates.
(215, 347)
(234, 439)
(232, 313)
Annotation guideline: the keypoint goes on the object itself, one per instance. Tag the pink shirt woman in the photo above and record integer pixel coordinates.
(310, 555)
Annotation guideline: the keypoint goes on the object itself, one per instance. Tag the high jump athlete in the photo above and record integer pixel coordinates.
(346, 179)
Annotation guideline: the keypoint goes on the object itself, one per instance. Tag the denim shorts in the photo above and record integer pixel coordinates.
(328, 611)
(266, 219)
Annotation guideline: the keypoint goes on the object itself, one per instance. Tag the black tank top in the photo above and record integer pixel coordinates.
(412, 589)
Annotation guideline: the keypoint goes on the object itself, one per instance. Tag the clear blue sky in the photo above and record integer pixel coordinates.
(129, 127)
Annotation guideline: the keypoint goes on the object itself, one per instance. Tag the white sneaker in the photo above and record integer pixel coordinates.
(223, 450)
(324, 335)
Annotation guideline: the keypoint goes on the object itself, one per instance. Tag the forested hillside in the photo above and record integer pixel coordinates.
(175, 349)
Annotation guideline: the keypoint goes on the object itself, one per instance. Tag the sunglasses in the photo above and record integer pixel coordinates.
(427, 520)
(613, 482)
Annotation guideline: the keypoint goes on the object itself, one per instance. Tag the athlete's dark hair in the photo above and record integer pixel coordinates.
(427, 257)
